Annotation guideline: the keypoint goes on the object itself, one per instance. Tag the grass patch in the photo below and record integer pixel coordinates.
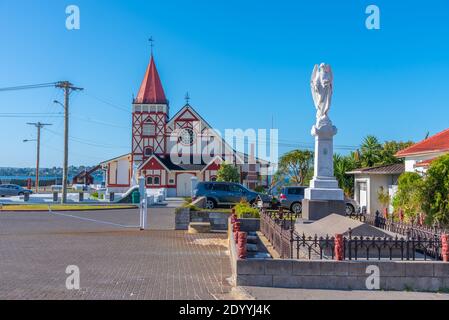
(62, 207)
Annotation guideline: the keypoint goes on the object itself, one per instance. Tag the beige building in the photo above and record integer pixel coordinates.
(369, 181)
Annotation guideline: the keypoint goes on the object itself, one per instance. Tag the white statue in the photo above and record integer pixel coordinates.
(322, 88)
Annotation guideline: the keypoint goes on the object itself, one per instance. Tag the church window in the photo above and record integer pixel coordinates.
(157, 181)
(149, 181)
(186, 136)
(148, 152)
(149, 129)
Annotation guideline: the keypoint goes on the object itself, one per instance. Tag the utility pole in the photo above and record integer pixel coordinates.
(39, 126)
(68, 88)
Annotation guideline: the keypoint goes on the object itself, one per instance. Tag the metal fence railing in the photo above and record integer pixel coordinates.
(278, 228)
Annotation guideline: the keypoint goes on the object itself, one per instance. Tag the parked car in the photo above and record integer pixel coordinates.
(9, 190)
(226, 193)
(291, 199)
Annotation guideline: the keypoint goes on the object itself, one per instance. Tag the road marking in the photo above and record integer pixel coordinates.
(93, 220)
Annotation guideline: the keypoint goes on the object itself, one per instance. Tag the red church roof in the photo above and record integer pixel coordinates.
(434, 144)
(151, 90)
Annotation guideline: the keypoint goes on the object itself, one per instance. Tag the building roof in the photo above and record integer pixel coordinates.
(116, 158)
(171, 166)
(397, 168)
(151, 90)
(434, 144)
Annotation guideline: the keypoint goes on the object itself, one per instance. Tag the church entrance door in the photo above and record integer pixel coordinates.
(184, 185)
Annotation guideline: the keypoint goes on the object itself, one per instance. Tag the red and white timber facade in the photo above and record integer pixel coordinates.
(168, 152)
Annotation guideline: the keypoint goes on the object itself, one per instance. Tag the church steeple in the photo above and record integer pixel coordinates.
(151, 90)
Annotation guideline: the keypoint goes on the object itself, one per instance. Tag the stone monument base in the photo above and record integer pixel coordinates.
(313, 210)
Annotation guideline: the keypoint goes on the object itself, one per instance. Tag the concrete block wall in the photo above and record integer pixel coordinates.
(218, 220)
(182, 218)
(352, 275)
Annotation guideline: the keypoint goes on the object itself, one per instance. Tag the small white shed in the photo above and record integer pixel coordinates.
(368, 182)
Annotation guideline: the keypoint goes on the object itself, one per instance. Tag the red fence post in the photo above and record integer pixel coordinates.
(236, 231)
(241, 246)
(339, 247)
(445, 247)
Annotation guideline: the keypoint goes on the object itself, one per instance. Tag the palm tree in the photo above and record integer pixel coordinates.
(370, 151)
(343, 164)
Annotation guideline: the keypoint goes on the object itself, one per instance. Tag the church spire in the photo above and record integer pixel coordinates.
(151, 90)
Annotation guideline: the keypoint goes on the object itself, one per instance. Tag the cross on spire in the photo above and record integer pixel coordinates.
(151, 40)
(187, 98)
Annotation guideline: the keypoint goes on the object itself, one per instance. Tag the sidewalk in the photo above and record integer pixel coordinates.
(260, 293)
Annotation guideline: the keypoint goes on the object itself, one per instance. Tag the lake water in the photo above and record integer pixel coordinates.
(42, 178)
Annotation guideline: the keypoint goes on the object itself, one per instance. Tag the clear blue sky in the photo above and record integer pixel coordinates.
(242, 62)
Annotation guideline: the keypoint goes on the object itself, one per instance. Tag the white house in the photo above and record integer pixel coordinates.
(419, 156)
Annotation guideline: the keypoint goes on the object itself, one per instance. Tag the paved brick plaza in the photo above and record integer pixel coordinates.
(115, 262)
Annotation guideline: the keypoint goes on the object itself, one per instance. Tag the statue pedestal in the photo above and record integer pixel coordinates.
(323, 197)
(313, 210)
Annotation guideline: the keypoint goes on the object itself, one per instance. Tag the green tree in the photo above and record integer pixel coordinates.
(296, 166)
(389, 149)
(435, 191)
(228, 173)
(370, 151)
(343, 164)
(409, 194)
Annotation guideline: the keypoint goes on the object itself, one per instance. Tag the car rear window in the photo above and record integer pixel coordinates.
(296, 191)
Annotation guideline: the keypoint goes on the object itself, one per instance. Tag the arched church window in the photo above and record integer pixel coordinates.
(148, 152)
(149, 181)
(157, 181)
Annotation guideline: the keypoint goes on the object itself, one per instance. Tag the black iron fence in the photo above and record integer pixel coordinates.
(410, 230)
(279, 230)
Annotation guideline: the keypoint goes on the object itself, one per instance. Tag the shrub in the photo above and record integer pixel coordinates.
(228, 173)
(244, 210)
(435, 191)
(94, 195)
(192, 207)
(188, 200)
(408, 197)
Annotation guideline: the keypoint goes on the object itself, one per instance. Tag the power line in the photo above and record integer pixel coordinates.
(118, 107)
(108, 124)
(88, 142)
(29, 86)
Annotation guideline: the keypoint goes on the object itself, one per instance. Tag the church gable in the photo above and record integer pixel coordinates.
(153, 163)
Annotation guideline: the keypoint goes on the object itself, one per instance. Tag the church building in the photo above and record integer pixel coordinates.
(168, 151)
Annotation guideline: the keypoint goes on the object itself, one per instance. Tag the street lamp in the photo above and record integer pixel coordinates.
(57, 102)
(37, 162)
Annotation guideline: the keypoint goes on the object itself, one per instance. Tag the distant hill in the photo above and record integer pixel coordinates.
(24, 173)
